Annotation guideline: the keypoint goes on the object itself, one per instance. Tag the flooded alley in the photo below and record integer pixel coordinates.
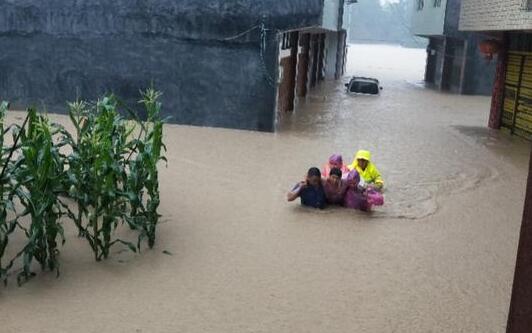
(439, 256)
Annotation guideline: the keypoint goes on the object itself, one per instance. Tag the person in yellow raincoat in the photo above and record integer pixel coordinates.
(367, 170)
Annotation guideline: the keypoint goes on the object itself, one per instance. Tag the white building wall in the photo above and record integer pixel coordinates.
(331, 10)
(347, 16)
(495, 15)
(429, 21)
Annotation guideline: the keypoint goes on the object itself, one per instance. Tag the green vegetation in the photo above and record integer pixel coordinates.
(38, 172)
(100, 177)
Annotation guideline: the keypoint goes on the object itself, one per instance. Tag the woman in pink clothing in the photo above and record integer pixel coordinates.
(355, 197)
(335, 161)
(358, 197)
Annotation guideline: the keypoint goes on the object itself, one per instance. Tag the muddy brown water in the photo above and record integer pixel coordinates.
(438, 257)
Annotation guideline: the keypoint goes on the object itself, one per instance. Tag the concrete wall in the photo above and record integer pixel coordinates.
(430, 20)
(435, 61)
(494, 15)
(452, 20)
(54, 51)
(479, 73)
(346, 18)
(331, 49)
(331, 11)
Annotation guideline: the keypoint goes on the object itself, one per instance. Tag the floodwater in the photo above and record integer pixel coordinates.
(438, 257)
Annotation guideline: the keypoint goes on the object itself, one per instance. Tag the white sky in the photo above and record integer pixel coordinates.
(388, 1)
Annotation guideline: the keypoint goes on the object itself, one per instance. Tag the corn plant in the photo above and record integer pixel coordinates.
(143, 177)
(6, 201)
(78, 174)
(39, 172)
(97, 172)
(110, 177)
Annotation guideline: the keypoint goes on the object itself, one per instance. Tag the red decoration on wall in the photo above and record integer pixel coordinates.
(489, 48)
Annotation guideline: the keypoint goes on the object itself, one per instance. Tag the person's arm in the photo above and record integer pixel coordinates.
(378, 182)
(294, 193)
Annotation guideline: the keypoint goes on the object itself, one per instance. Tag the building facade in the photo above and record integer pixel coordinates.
(509, 24)
(496, 15)
(312, 54)
(216, 61)
(454, 62)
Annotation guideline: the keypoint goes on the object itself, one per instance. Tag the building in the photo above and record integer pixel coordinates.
(506, 25)
(454, 62)
(312, 54)
(216, 61)
(509, 25)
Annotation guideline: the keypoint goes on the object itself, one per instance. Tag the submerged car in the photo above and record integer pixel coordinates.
(363, 85)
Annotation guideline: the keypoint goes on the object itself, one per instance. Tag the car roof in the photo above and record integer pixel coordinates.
(366, 79)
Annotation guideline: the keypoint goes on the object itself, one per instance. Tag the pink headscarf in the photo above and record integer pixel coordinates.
(336, 158)
(354, 198)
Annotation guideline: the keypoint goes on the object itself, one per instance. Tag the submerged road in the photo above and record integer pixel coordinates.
(438, 257)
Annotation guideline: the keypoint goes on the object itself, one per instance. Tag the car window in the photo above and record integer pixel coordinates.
(364, 87)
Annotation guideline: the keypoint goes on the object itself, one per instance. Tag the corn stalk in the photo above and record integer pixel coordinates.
(39, 172)
(143, 177)
(6, 201)
(97, 172)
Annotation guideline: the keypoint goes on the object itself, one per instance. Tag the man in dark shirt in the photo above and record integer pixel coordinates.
(310, 190)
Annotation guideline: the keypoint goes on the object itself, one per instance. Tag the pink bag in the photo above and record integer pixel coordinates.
(356, 200)
(375, 198)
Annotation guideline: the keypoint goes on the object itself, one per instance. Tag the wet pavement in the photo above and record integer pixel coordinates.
(438, 257)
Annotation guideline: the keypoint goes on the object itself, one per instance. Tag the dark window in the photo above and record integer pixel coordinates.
(364, 88)
(420, 4)
(437, 3)
(527, 4)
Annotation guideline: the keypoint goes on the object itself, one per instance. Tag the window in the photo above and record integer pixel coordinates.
(527, 4)
(437, 3)
(420, 4)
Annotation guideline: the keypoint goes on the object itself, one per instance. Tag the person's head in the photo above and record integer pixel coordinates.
(363, 158)
(353, 179)
(314, 177)
(362, 163)
(336, 161)
(335, 176)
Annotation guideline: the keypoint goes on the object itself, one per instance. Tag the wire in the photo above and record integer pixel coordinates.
(242, 34)
(262, 47)
(264, 39)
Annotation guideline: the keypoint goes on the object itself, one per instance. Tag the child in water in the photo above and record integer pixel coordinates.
(310, 191)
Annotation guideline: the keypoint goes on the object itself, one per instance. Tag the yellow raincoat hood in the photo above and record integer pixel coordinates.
(371, 174)
(363, 155)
